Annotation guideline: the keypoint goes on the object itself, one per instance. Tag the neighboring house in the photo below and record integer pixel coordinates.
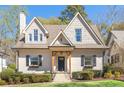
(3, 60)
(59, 48)
(115, 54)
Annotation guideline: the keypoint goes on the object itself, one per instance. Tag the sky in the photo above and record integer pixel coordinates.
(55, 11)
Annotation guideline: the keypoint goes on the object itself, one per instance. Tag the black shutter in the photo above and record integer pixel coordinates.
(27, 60)
(82, 60)
(40, 60)
(94, 60)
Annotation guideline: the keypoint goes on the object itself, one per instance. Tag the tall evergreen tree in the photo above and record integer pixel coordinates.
(70, 11)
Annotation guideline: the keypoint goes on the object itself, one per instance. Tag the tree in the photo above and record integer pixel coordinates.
(70, 11)
(9, 27)
(112, 16)
(50, 21)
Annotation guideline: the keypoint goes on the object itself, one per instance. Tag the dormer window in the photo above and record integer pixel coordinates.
(30, 37)
(41, 37)
(78, 34)
(61, 39)
(35, 35)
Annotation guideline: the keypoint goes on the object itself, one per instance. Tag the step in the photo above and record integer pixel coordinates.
(62, 77)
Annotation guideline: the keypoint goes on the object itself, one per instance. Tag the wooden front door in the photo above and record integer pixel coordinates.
(61, 63)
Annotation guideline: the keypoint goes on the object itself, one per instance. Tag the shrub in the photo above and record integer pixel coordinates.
(2, 82)
(26, 80)
(17, 80)
(117, 75)
(97, 73)
(35, 78)
(107, 68)
(12, 66)
(45, 78)
(77, 75)
(29, 76)
(41, 78)
(86, 75)
(108, 74)
(7, 73)
(118, 69)
(10, 81)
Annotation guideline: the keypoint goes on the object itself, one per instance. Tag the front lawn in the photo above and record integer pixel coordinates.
(101, 83)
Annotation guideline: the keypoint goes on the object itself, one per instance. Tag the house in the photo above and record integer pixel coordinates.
(59, 48)
(115, 54)
(3, 60)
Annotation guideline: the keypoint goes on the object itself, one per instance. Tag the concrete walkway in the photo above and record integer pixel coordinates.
(61, 78)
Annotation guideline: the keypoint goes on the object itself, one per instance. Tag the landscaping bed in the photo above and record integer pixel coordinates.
(9, 77)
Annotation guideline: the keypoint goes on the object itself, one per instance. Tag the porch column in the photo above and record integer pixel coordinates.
(70, 62)
(53, 61)
(69, 59)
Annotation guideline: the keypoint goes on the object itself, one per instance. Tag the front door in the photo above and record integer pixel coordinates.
(61, 63)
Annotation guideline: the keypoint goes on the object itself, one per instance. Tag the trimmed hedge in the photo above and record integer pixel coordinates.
(83, 75)
(17, 80)
(33, 78)
(26, 80)
(2, 82)
(12, 77)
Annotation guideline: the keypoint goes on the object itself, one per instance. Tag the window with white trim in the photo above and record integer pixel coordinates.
(34, 61)
(78, 34)
(41, 37)
(88, 61)
(35, 35)
(30, 37)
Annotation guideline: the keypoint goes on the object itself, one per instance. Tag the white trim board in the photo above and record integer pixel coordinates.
(61, 32)
(32, 22)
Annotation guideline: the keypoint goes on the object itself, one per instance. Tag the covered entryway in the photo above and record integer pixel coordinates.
(61, 61)
(61, 48)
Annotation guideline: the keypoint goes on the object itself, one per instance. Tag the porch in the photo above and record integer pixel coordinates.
(61, 59)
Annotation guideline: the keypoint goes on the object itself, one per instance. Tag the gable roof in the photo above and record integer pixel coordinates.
(54, 31)
(90, 28)
(118, 38)
(38, 22)
(61, 32)
(118, 34)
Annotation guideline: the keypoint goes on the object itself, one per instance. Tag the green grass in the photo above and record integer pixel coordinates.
(102, 83)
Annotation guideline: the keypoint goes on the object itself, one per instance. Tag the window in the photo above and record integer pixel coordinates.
(94, 60)
(112, 61)
(30, 37)
(117, 58)
(40, 37)
(35, 35)
(78, 34)
(82, 60)
(34, 61)
(88, 61)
